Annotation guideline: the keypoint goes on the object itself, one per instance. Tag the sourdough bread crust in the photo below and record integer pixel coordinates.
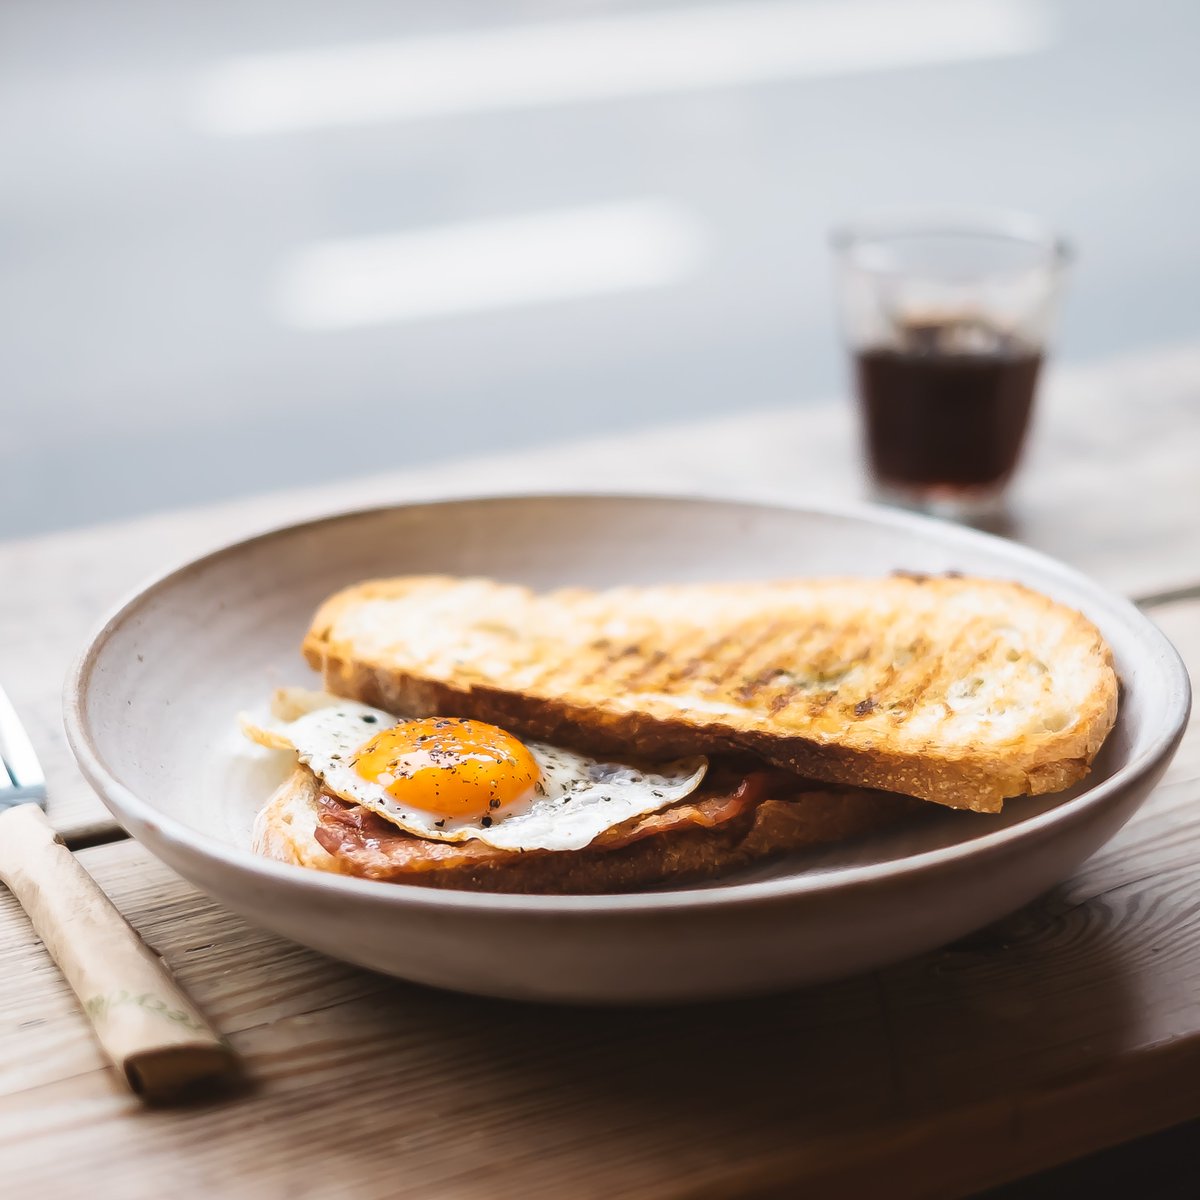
(285, 828)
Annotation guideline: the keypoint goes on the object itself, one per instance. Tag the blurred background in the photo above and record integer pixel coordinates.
(255, 244)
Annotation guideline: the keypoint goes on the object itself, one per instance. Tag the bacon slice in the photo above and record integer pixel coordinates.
(373, 847)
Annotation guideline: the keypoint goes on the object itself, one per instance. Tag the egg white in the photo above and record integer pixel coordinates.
(576, 799)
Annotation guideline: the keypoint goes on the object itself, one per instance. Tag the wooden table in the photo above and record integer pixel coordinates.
(1072, 1026)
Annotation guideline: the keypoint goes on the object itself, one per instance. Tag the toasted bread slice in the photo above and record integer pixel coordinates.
(658, 852)
(960, 691)
(286, 827)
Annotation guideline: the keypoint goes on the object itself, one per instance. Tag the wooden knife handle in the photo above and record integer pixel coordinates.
(152, 1033)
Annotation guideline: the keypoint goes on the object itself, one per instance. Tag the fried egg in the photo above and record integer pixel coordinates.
(451, 779)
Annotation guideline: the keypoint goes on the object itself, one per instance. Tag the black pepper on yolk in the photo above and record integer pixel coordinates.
(450, 766)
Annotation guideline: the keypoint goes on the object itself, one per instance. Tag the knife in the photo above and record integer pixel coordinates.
(147, 1027)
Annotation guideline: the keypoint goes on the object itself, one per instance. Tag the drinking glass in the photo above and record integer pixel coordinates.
(947, 320)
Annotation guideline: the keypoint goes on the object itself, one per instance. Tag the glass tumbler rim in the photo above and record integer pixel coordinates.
(857, 243)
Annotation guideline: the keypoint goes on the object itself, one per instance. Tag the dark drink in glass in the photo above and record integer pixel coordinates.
(945, 422)
(947, 334)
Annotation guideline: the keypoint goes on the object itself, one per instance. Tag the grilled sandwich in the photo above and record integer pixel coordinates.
(739, 814)
(959, 691)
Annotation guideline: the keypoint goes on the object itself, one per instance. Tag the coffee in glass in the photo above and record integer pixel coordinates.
(947, 323)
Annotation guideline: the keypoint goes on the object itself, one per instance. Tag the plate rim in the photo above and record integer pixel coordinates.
(122, 801)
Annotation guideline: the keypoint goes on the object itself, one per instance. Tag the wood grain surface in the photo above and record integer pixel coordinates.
(1111, 486)
(1067, 1027)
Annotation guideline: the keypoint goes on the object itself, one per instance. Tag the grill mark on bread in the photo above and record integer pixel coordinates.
(606, 651)
(732, 667)
(947, 662)
(975, 633)
(651, 664)
(827, 667)
(819, 704)
(920, 667)
(607, 667)
(910, 700)
(937, 667)
(763, 659)
(691, 666)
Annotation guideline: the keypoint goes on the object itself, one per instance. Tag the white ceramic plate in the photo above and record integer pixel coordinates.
(151, 708)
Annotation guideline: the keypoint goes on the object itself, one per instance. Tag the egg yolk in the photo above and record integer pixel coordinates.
(450, 766)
